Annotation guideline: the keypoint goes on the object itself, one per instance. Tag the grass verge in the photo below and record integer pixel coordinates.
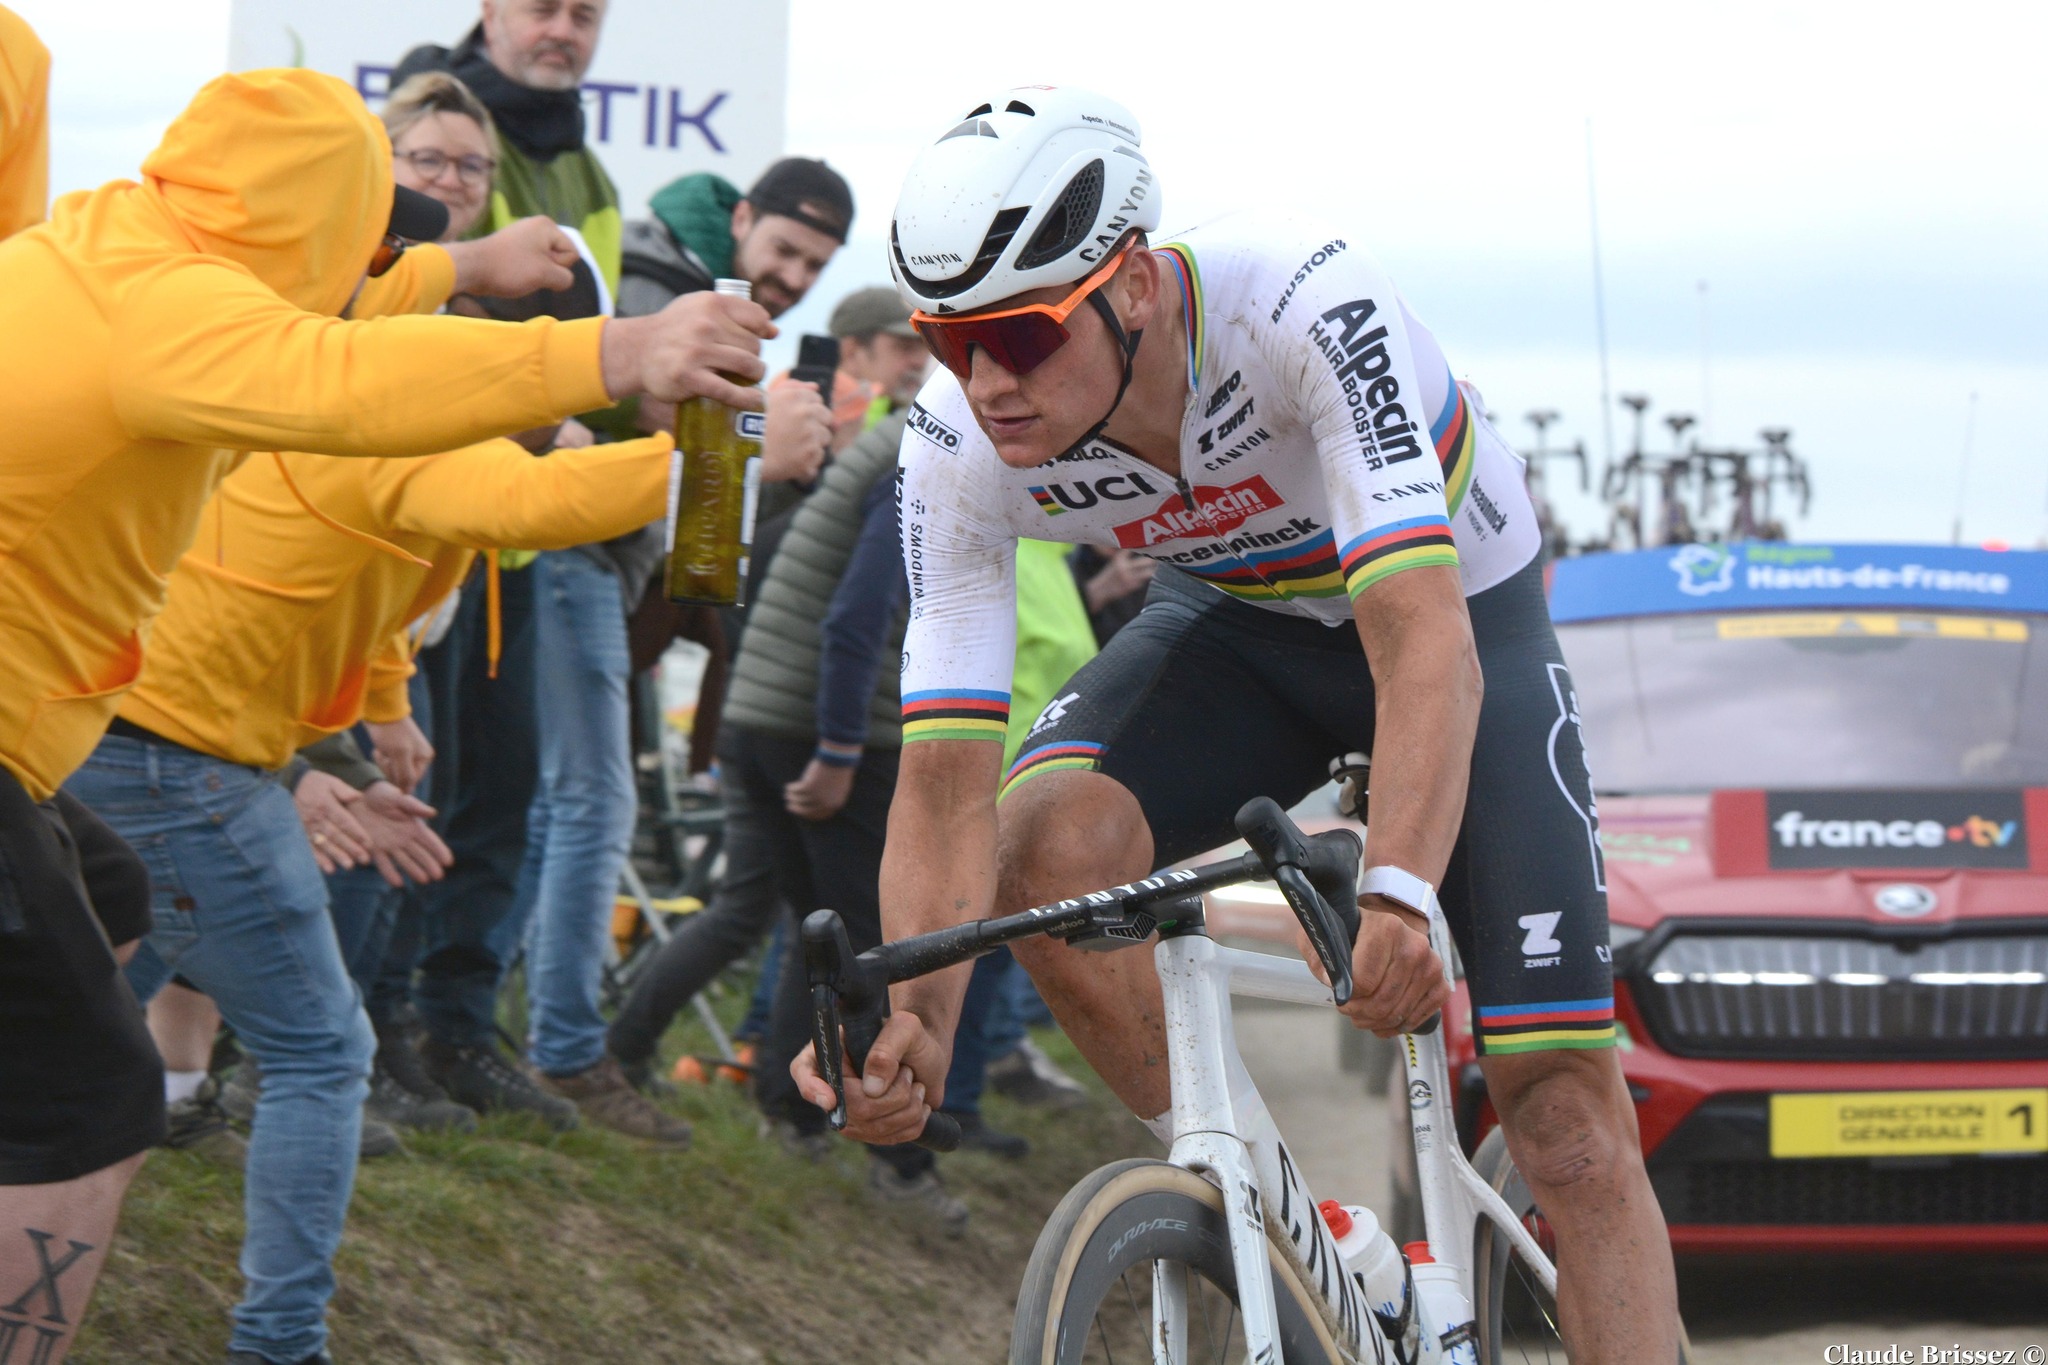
(517, 1245)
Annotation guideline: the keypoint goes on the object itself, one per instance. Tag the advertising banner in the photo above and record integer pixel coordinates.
(674, 88)
(1752, 576)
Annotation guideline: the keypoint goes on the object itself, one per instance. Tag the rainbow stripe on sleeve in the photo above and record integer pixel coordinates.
(1454, 438)
(1555, 1024)
(1387, 550)
(960, 714)
(1051, 758)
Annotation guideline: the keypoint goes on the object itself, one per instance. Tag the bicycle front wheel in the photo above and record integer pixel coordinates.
(1129, 1230)
(1516, 1316)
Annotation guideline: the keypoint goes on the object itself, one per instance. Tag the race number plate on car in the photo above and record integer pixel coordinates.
(1909, 1123)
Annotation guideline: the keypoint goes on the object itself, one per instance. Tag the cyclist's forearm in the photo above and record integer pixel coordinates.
(1427, 686)
(939, 865)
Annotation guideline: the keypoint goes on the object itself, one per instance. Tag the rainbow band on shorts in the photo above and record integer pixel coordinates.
(1554, 1024)
(960, 714)
(1051, 758)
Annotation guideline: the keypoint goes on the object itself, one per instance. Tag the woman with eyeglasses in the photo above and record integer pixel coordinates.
(443, 145)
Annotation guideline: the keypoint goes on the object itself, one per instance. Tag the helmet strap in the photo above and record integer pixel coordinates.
(1127, 343)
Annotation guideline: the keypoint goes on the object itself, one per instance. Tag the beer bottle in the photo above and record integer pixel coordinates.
(712, 494)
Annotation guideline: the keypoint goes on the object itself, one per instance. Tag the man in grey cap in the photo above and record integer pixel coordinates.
(879, 348)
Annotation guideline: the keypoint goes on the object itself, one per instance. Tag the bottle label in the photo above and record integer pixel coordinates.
(750, 425)
(675, 500)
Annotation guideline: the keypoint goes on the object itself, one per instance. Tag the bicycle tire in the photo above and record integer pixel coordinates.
(1126, 1216)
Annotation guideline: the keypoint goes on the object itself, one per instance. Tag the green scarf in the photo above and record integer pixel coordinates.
(697, 211)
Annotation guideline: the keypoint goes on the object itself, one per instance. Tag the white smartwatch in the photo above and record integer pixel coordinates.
(1400, 886)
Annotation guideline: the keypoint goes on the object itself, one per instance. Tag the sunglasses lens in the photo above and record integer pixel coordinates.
(1019, 343)
(387, 254)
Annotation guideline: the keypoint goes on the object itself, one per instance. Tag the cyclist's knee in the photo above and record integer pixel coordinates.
(1065, 832)
(1569, 1120)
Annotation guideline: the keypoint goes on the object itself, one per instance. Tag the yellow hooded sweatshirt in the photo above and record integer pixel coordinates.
(24, 124)
(150, 332)
(279, 630)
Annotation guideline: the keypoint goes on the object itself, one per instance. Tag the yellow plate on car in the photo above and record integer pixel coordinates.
(1909, 1123)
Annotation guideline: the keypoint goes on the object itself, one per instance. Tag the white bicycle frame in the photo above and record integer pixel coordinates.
(1222, 1129)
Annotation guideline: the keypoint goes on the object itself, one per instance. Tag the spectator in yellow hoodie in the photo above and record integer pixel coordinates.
(150, 332)
(24, 124)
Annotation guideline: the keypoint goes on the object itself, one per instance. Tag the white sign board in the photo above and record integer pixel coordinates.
(674, 88)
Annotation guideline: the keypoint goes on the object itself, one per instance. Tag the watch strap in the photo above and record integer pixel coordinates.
(1400, 886)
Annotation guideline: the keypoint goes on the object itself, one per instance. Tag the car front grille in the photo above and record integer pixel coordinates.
(1831, 998)
(1845, 1191)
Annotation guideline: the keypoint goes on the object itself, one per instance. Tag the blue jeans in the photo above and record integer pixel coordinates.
(580, 828)
(240, 911)
(483, 782)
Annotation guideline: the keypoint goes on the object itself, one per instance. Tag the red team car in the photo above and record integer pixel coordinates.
(1822, 776)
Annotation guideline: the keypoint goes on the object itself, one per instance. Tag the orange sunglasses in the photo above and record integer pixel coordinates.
(1018, 339)
(387, 253)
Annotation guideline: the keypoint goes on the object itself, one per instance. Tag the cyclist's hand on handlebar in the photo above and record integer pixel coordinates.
(1397, 978)
(891, 1100)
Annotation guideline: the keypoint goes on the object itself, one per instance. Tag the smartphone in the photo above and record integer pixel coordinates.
(817, 360)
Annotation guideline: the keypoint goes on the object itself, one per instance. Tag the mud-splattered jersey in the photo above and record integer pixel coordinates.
(1325, 447)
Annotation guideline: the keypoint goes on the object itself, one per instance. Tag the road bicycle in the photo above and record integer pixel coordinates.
(1220, 1252)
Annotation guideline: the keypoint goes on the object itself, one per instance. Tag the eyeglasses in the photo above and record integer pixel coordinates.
(1018, 339)
(388, 251)
(431, 164)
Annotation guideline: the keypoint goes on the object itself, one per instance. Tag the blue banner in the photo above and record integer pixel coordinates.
(1755, 575)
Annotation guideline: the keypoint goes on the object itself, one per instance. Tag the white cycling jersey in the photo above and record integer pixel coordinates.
(1325, 447)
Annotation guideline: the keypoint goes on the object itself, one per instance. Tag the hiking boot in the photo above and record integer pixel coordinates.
(238, 1094)
(399, 1059)
(491, 1083)
(1026, 1075)
(642, 1076)
(977, 1136)
(378, 1139)
(923, 1193)
(251, 1358)
(397, 1105)
(604, 1094)
(813, 1146)
(200, 1126)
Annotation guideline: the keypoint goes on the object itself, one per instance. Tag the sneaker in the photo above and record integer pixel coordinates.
(814, 1146)
(396, 1104)
(923, 1193)
(200, 1126)
(491, 1083)
(378, 1139)
(604, 1094)
(642, 1076)
(977, 1136)
(1026, 1075)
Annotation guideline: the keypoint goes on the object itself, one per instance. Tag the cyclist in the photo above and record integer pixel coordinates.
(1251, 405)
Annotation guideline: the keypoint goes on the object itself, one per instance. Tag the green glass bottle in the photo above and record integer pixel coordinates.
(712, 496)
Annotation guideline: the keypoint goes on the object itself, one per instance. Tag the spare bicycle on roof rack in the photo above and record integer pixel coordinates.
(1220, 1252)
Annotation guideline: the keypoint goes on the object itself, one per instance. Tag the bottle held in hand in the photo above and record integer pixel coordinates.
(713, 493)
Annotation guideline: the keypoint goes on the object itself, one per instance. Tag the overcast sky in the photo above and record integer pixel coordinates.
(1862, 189)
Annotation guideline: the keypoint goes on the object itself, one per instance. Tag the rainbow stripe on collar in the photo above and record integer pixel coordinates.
(1182, 262)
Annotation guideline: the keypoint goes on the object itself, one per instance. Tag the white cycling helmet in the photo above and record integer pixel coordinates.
(1035, 187)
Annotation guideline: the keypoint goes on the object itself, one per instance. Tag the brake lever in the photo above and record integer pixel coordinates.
(858, 986)
(1285, 856)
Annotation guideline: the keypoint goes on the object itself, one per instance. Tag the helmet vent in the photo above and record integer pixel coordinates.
(1000, 231)
(974, 127)
(1020, 107)
(981, 109)
(1068, 222)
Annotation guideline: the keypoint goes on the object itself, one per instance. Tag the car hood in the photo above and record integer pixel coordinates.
(1708, 857)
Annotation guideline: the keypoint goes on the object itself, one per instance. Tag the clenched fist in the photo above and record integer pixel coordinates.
(533, 253)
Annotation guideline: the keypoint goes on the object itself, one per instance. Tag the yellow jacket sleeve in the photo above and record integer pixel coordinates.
(495, 494)
(420, 282)
(385, 697)
(203, 353)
